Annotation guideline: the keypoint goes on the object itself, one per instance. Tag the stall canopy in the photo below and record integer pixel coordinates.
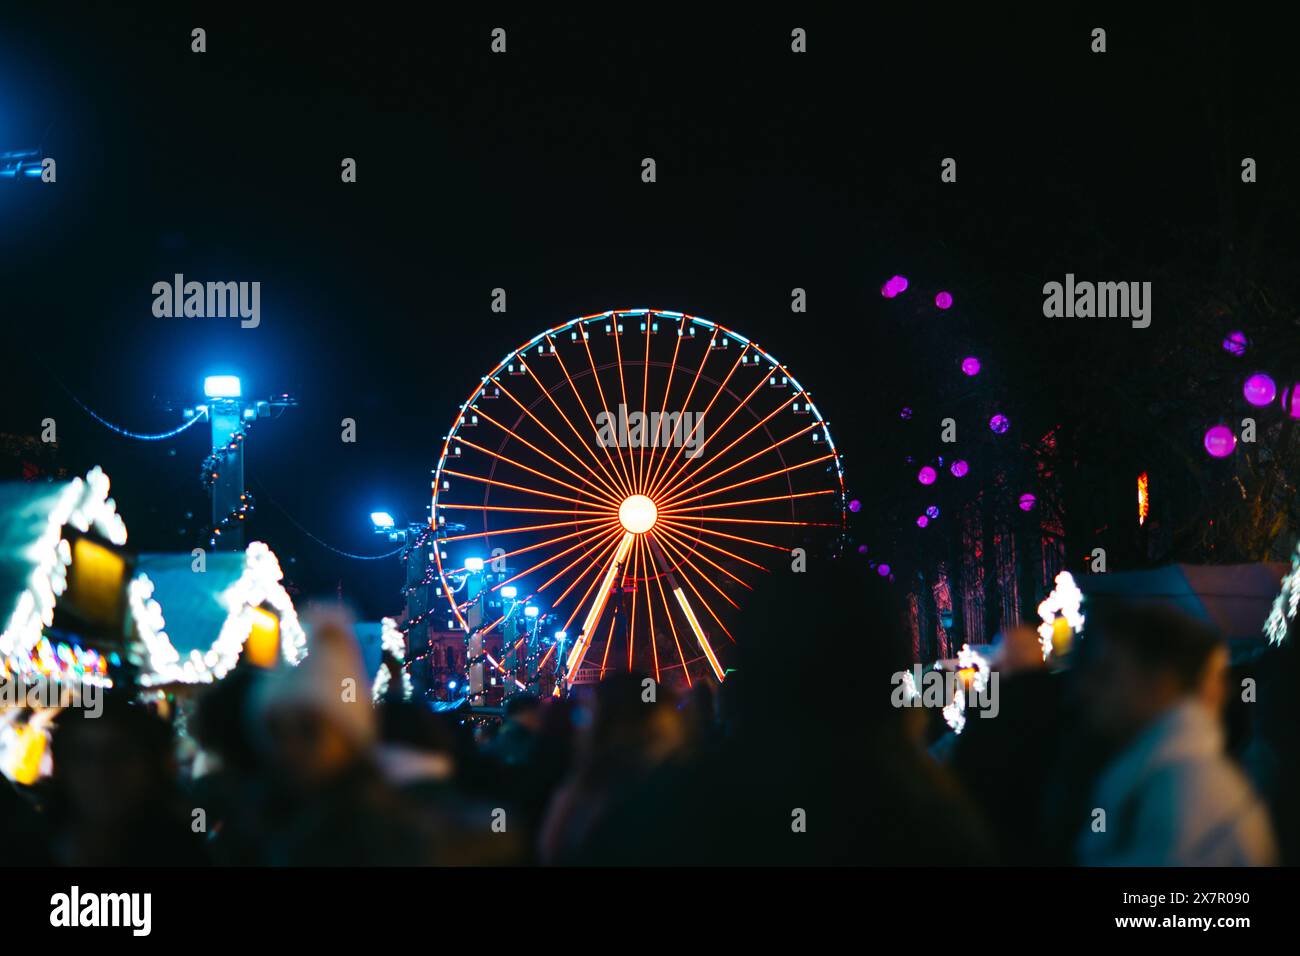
(42, 525)
(197, 614)
(1235, 599)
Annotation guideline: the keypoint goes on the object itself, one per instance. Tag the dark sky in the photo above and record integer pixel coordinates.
(522, 171)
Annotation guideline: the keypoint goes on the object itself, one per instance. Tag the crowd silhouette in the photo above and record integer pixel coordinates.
(1141, 752)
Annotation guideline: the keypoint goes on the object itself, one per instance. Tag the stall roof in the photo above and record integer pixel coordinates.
(195, 612)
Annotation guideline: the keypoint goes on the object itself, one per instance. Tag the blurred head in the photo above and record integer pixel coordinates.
(631, 726)
(1138, 661)
(316, 720)
(110, 768)
(524, 710)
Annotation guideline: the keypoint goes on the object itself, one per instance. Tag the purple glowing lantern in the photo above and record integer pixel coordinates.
(1260, 389)
(1027, 502)
(922, 521)
(1235, 343)
(999, 424)
(926, 475)
(887, 292)
(1220, 441)
(883, 570)
(970, 365)
(932, 511)
(855, 505)
(943, 300)
(959, 468)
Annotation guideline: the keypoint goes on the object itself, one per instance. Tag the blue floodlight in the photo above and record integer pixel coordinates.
(509, 592)
(451, 685)
(473, 564)
(560, 636)
(382, 520)
(221, 386)
(530, 611)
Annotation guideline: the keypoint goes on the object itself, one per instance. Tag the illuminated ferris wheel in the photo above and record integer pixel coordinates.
(636, 473)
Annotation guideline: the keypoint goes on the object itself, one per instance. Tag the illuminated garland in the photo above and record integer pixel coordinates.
(1065, 600)
(1285, 604)
(246, 507)
(394, 645)
(258, 584)
(84, 505)
(977, 668)
(210, 470)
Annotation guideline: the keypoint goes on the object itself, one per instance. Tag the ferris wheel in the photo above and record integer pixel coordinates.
(635, 473)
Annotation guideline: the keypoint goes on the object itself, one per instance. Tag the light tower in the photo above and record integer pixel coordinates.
(223, 469)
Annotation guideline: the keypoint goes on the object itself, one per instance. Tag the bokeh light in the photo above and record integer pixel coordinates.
(1260, 389)
(1235, 343)
(883, 570)
(932, 511)
(1220, 441)
(959, 468)
(970, 365)
(943, 300)
(922, 521)
(1027, 502)
(999, 424)
(855, 505)
(926, 475)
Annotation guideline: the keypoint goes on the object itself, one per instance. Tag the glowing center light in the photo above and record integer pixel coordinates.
(637, 514)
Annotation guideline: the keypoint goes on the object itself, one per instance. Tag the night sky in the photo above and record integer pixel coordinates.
(522, 171)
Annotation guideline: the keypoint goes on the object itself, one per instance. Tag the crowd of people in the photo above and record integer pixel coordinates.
(1149, 749)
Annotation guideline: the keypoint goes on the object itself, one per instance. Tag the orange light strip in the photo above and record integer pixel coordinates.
(613, 468)
(677, 526)
(654, 479)
(603, 489)
(506, 484)
(750, 481)
(708, 607)
(631, 629)
(699, 634)
(714, 432)
(663, 597)
(668, 386)
(595, 567)
(594, 499)
(703, 415)
(747, 501)
(684, 559)
(744, 461)
(745, 434)
(555, 557)
(607, 481)
(618, 454)
(522, 528)
(593, 616)
(645, 398)
(705, 557)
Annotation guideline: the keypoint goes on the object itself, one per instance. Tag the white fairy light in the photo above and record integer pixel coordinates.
(258, 584)
(955, 711)
(391, 641)
(1286, 603)
(1065, 600)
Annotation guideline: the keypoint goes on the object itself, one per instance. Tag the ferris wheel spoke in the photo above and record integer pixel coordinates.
(606, 492)
(722, 534)
(707, 408)
(771, 521)
(602, 541)
(677, 472)
(505, 484)
(612, 471)
(748, 501)
(605, 478)
(617, 455)
(708, 607)
(713, 337)
(644, 562)
(684, 603)
(609, 642)
(594, 568)
(598, 605)
(634, 562)
(672, 627)
(622, 385)
(766, 449)
(645, 397)
(750, 481)
(609, 534)
(671, 536)
(593, 499)
(522, 528)
(534, 511)
(705, 557)
(743, 435)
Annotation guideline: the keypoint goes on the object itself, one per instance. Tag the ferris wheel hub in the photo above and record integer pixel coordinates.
(637, 514)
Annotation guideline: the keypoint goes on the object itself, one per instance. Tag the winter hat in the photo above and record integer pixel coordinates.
(330, 682)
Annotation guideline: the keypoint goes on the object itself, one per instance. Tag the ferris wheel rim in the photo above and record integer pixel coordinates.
(549, 336)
